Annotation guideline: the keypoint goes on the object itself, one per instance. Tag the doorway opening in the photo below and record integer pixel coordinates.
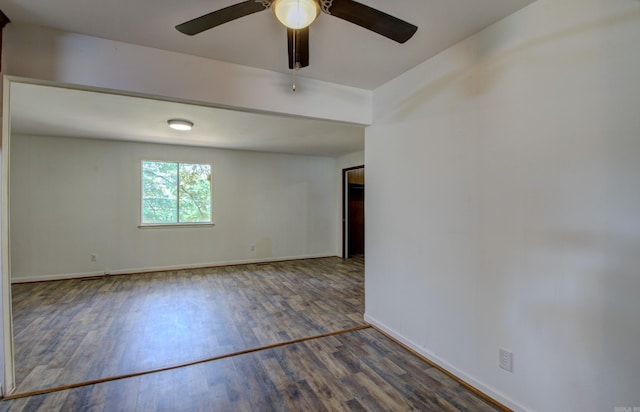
(353, 212)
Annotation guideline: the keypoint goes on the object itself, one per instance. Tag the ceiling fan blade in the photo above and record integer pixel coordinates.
(218, 17)
(301, 41)
(372, 19)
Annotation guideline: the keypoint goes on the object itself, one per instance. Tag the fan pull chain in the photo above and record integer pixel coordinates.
(294, 80)
(296, 64)
(296, 67)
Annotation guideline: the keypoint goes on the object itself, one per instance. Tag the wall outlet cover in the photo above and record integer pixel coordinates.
(505, 359)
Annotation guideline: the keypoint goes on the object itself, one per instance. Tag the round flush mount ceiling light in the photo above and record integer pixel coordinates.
(180, 124)
(296, 14)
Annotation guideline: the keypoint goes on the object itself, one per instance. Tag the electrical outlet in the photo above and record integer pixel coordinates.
(505, 359)
(94, 257)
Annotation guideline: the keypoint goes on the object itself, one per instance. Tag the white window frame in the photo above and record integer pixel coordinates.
(144, 225)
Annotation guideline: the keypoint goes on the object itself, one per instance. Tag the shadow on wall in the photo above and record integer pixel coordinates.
(486, 57)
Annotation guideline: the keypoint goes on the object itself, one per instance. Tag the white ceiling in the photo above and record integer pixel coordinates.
(340, 53)
(54, 111)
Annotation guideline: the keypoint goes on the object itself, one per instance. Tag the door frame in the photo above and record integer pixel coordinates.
(345, 199)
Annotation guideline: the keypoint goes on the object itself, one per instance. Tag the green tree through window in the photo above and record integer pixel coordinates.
(174, 193)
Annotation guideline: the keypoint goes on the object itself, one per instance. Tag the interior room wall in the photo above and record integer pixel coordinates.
(503, 207)
(71, 198)
(2, 291)
(350, 160)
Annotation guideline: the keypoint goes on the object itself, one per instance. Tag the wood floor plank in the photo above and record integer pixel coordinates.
(42, 375)
(302, 364)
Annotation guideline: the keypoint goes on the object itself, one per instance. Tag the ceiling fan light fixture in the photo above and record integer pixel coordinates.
(180, 124)
(296, 14)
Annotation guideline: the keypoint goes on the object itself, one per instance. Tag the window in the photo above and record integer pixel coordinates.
(176, 193)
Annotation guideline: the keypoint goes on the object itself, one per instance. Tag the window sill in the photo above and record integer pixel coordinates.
(175, 225)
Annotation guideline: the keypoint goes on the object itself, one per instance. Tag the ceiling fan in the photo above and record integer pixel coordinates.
(297, 15)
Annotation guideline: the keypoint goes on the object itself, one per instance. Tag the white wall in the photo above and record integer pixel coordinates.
(74, 197)
(47, 54)
(350, 160)
(3, 292)
(503, 207)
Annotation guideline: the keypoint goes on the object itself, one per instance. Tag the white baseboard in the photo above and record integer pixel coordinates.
(487, 390)
(63, 276)
(67, 276)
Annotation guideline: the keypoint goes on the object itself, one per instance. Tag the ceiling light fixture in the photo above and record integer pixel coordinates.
(180, 124)
(296, 14)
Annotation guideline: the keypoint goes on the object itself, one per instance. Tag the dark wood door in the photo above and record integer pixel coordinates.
(356, 219)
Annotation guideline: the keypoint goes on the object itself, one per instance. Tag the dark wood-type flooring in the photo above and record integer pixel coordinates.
(78, 330)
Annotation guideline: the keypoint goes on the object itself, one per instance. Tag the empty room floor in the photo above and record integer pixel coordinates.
(276, 336)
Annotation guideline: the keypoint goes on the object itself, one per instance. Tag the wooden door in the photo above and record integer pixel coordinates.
(356, 219)
(353, 212)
